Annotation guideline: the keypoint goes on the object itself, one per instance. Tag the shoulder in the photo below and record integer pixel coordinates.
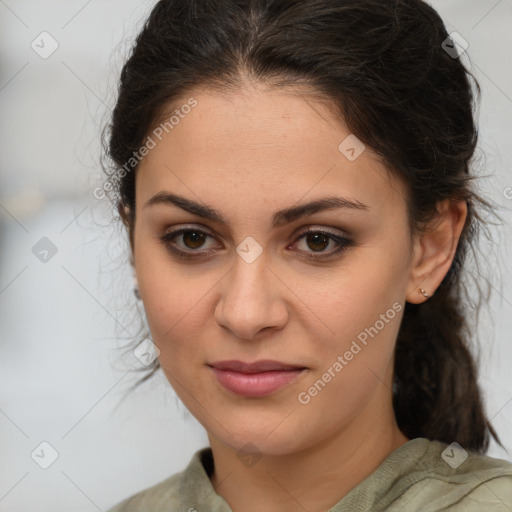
(156, 498)
(465, 481)
(171, 493)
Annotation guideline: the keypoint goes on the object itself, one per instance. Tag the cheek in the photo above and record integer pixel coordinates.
(362, 311)
(171, 307)
(167, 295)
(337, 308)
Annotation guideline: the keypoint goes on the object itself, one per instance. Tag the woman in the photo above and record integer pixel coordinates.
(294, 178)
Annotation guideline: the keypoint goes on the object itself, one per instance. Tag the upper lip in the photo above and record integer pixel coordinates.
(254, 367)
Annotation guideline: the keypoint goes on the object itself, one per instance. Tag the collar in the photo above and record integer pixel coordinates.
(197, 492)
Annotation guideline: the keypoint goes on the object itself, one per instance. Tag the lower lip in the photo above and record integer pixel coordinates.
(256, 384)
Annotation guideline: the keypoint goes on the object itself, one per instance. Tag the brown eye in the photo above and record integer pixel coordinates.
(317, 241)
(314, 241)
(193, 239)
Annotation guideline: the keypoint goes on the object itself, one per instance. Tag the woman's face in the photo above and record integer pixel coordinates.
(253, 287)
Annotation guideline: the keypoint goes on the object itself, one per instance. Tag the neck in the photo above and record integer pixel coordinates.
(313, 479)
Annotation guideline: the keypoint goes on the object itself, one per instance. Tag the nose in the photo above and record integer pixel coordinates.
(252, 299)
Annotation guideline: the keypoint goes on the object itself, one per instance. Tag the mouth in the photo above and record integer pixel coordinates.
(257, 379)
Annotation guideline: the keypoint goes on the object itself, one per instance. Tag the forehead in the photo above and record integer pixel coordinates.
(265, 145)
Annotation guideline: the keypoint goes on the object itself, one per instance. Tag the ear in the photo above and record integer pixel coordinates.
(433, 250)
(124, 213)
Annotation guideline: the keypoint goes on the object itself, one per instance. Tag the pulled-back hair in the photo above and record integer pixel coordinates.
(383, 65)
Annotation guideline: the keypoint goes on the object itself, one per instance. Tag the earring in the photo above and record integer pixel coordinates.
(425, 294)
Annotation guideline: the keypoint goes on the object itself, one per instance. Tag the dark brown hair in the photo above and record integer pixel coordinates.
(383, 65)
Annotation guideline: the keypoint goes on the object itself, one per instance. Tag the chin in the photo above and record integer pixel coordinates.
(260, 439)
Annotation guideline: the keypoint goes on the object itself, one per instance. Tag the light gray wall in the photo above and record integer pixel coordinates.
(61, 377)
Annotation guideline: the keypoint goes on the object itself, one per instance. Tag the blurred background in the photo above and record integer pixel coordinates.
(71, 437)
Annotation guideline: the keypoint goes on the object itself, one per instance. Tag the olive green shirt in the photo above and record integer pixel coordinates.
(421, 475)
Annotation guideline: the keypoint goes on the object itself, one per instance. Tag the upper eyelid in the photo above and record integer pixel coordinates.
(297, 232)
(341, 235)
(341, 240)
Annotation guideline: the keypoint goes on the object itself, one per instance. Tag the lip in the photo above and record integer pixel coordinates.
(257, 379)
(262, 365)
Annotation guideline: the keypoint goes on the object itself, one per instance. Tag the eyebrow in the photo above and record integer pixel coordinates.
(279, 218)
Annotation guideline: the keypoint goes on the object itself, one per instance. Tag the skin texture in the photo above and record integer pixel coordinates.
(248, 154)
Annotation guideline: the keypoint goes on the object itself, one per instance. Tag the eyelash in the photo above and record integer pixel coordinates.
(343, 243)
